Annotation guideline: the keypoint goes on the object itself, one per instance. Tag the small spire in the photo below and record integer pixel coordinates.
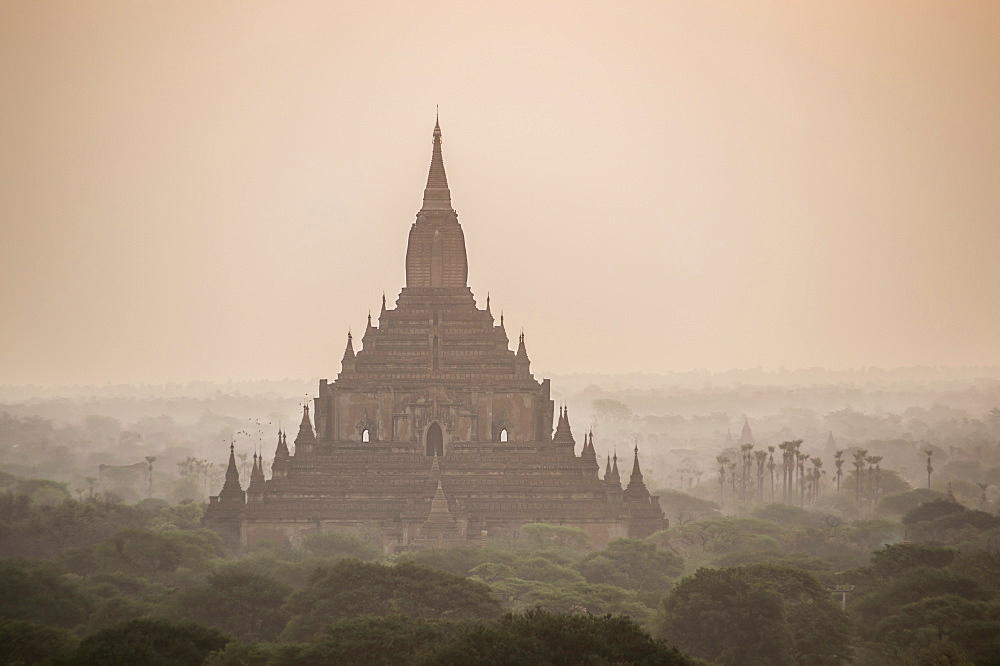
(231, 488)
(306, 434)
(257, 480)
(614, 478)
(349, 350)
(636, 487)
(437, 196)
(522, 352)
(488, 303)
(564, 434)
(383, 305)
(281, 451)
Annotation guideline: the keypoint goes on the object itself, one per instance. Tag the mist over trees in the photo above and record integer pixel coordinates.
(856, 521)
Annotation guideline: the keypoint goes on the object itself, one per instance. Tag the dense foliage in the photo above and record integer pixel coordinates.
(96, 580)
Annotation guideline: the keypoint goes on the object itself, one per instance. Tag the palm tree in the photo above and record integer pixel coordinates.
(747, 459)
(722, 460)
(803, 459)
(859, 463)
(761, 458)
(770, 468)
(838, 460)
(784, 471)
(929, 452)
(876, 460)
(149, 461)
(817, 465)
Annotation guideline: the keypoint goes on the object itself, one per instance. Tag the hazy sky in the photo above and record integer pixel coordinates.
(216, 190)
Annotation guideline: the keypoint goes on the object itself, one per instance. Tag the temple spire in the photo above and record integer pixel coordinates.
(636, 490)
(281, 451)
(306, 435)
(614, 479)
(349, 360)
(256, 487)
(563, 436)
(349, 350)
(231, 489)
(437, 196)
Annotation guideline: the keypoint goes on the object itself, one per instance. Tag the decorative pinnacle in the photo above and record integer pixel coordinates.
(437, 196)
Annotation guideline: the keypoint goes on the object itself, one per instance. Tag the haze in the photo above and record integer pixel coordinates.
(219, 190)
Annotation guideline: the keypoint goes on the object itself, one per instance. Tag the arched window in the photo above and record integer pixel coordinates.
(435, 440)
(503, 435)
(366, 435)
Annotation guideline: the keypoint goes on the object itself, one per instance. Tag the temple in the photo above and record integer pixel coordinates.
(435, 433)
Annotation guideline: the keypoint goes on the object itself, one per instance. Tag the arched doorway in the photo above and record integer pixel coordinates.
(435, 440)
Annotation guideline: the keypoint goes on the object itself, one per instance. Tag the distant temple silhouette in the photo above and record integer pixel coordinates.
(435, 433)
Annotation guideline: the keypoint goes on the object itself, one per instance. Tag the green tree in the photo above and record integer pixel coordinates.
(682, 508)
(243, 603)
(632, 563)
(793, 620)
(895, 560)
(541, 637)
(377, 640)
(151, 643)
(157, 552)
(40, 591)
(898, 504)
(350, 588)
(918, 630)
(31, 643)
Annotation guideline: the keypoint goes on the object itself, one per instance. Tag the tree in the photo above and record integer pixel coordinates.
(242, 603)
(838, 460)
(540, 637)
(706, 616)
(31, 643)
(973, 625)
(611, 410)
(40, 591)
(892, 561)
(682, 508)
(157, 552)
(899, 503)
(794, 620)
(350, 588)
(150, 642)
(632, 564)
(378, 640)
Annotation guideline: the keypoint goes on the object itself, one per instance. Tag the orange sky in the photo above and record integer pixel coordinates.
(216, 190)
